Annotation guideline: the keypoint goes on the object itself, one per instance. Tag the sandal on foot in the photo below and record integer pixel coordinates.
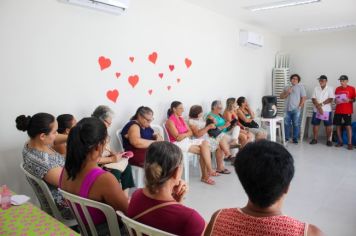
(224, 171)
(208, 181)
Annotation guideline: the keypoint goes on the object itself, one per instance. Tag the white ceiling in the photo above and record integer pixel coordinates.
(285, 21)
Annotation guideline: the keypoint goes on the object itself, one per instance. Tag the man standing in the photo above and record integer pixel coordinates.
(322, 98)
(344, 98)
(295, 97)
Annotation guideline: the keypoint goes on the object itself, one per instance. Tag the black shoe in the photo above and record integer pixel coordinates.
(329, 144)
(314, 141)
(295, 141)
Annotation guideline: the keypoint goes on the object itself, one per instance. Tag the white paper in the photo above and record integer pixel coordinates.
(19, 199)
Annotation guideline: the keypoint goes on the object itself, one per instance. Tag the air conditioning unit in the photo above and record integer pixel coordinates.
(111, 6)
(250, 39)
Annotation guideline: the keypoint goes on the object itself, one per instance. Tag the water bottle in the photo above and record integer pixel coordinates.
(5, 198)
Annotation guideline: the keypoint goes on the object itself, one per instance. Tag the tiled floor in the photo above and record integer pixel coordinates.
(323, 191)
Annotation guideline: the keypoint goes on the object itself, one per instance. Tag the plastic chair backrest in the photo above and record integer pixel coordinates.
(119, 139)
(158, 128)
(75, 201)
(44, 196)
(137, 228)
(165, 131)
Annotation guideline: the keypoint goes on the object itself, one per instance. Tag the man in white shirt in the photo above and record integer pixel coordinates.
(322, 98)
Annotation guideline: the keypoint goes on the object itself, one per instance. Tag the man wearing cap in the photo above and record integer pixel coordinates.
(322, 98)
(295, 96)
(344, 98)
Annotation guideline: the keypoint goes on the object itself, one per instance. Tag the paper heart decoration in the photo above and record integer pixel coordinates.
(117, 74)
(131, 59)
(169, 87)
(178, 80)
(153, 57)
(187, 62)
(171, 67)
(104, 62)
(112, 95)
(150, 92)
(133, 80)
(160, 75)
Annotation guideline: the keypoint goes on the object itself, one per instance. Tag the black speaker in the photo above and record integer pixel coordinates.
(269, 106)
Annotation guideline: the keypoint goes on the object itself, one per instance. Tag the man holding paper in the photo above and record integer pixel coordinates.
(322, 98)
(344, 98)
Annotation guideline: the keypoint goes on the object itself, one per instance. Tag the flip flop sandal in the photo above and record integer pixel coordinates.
(225, 171)
(208, 181)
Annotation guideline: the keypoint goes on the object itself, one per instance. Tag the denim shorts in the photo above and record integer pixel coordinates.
(316, 121)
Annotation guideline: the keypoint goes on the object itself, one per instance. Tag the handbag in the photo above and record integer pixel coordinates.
(212, 132)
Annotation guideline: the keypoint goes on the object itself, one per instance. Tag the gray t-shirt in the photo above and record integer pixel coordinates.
(293, 100)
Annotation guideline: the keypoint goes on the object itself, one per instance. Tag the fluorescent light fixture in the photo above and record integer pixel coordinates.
(281, 4)
(326, 28)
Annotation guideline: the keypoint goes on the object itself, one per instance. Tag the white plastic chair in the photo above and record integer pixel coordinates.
(138, 172)
(45, 198)
(77, 203)
(139, 229)
(307, 113)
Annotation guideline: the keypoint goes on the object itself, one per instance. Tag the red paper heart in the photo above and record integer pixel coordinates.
(104, 62)
(153, 57)
(160, 75)
(112, 95)
(187, 62)
(131, 59)
(171, 67)
(150, 92)
(169, 87)
(178, 80)
(133, 80)
(117, 74)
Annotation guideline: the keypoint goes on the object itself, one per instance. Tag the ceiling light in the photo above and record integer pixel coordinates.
(334, 27)
(275, 5)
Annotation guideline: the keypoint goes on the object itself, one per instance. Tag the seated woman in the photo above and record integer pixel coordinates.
(39, 158)
(105, 114)
(179, 133)
(218, 144)
(230, 116)
(266, 189)
(81, 174)
(65, 123)
(159, 204)
(137, 135)
(246, 116)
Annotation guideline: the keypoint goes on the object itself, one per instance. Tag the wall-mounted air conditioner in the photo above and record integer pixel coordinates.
(112, 6)
(250, 39)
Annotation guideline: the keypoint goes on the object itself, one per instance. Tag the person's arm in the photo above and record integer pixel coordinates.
(250, 111)
(314, 231)
(172, 130)
(134, 137)
(209, 228)
(242, 116)
(111, 192)
(52, 176)
(286, 93)
(200, 132)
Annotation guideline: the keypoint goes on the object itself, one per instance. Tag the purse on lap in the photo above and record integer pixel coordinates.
(212, 132)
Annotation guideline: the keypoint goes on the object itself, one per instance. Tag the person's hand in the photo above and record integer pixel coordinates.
(227, 124)
(179, 191)
(211, 126)
(320, 110)
(116, 157)
(158, 137)
(289, 90)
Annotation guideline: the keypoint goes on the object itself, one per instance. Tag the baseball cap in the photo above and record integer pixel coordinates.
(323, 77)
(343, 77)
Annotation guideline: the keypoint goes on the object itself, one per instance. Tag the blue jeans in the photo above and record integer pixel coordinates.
(292, 119)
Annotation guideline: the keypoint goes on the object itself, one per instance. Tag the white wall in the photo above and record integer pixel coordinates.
(315, 54)
(49, 52)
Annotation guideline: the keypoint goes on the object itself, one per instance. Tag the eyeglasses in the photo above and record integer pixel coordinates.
(107, 122)
(147, 119)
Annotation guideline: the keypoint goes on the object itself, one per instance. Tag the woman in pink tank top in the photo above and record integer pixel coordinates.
(81, 174)
(265, 170)
(179, 133)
